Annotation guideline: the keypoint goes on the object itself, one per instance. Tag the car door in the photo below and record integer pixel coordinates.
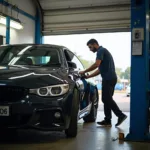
(84, 90)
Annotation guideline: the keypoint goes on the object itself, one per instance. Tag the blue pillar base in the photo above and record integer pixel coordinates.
(137, 138)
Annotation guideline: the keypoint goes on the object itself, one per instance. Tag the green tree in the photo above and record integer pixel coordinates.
(85, 62)
(126, 73)
(118, 72)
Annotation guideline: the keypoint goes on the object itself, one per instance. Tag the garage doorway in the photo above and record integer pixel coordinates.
(119, 44)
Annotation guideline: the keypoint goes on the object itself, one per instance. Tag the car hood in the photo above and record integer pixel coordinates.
(32, 77)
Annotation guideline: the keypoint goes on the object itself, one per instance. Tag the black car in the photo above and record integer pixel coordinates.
(40, 88)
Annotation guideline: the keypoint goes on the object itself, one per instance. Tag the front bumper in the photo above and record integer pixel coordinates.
(39, 113)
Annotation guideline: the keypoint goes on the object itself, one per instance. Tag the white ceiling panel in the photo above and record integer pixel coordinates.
(59, 4)
(85, 16)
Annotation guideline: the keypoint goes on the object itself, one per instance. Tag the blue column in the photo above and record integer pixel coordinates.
(139, 104)
(38, 34)
(7, 30)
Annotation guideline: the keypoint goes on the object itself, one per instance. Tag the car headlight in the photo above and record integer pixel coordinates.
(54, 90)
(43, 91)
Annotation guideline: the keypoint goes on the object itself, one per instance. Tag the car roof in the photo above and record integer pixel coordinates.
(29, 44)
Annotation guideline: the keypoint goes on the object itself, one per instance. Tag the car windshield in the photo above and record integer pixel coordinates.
(29, 55)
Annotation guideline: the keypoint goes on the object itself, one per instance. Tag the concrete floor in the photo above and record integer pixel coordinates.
(90, 137)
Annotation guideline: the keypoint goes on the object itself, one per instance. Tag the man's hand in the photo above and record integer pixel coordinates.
(87, 77)
(84, 77)
(92, 67)
(81, 72)
(97, 72)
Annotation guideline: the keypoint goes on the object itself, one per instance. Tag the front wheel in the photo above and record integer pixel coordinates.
(73, 126)
(93, 113)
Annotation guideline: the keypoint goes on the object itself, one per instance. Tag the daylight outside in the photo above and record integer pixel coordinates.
(119, 45)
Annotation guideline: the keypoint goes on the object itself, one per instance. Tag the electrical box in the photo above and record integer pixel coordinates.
(137, 34)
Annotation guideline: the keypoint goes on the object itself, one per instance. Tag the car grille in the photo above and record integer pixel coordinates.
(12, 93)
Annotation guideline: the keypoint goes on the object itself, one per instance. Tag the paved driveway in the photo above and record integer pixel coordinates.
(121, 99)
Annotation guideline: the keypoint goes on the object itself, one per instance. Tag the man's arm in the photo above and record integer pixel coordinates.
(97, 72)
(92, 67)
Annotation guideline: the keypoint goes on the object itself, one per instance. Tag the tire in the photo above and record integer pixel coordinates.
(93, 114)
(73, 126)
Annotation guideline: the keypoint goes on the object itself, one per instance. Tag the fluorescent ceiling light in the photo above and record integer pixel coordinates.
(16, 25)
(13, 24)
(2, 20)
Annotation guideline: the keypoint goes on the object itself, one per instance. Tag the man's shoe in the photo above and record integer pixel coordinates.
(104, 123)
(121, 119)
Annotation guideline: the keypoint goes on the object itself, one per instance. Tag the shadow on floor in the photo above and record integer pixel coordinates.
(32, 136)
(90, 137)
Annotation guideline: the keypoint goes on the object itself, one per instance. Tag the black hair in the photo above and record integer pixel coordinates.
(92, 41)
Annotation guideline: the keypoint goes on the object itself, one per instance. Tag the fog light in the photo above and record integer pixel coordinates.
(57, 115)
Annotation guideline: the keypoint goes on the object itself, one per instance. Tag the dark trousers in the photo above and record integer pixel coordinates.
(108, 87)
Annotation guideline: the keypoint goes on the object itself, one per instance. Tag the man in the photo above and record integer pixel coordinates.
(106, 67)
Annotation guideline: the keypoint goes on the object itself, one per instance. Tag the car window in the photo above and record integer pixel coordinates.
(8, 52)
(29, 55)
(73, 58)
(40, 59)
(78, 63)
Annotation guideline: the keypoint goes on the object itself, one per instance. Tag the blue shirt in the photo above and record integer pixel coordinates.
(107, 66)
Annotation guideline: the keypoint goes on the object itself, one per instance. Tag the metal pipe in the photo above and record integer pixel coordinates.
(38, 34)
(7, 30)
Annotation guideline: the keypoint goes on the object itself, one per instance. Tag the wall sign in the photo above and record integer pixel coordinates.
(137, 41)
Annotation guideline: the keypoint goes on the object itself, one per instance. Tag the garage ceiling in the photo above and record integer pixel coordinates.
(85, 16)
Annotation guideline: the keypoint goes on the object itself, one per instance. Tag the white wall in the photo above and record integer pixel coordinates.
(2, 30)
(26, 35)
(25, 5)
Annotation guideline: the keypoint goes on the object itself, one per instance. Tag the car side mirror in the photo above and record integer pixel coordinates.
(72, 65)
